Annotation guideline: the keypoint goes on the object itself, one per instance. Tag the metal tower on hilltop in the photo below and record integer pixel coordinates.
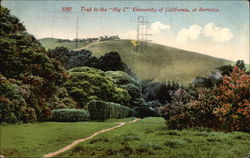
(142, 33)
(77, 25)
(76, 31)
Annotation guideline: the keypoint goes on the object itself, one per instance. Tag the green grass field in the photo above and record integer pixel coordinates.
(37, 139)
(157, 62)
(148, 137)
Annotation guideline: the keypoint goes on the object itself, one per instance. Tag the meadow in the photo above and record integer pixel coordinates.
(148, 137)
(36, 139)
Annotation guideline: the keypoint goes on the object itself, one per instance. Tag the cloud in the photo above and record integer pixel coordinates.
(217, 33)
(192, 33)
(157, 26)
(210, 30)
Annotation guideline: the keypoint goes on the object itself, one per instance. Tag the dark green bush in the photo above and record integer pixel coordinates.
(101, 110)
(62, 100)
(154, 103)
(146, 111)
(124, 81)
(70, 115)
(13, 107)
(28, 77)
(87, 84)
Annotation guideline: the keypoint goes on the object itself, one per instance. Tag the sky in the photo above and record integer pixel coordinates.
(223, 31)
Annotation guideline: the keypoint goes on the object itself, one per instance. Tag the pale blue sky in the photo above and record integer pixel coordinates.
(44, 19)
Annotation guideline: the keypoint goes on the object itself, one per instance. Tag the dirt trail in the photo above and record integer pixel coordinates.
(87, 46)
(84, 139)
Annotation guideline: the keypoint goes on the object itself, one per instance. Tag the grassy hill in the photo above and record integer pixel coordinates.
(157, 62)
(51, 43)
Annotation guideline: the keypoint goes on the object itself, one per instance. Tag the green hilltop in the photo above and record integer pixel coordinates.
(157, 62)
(51, 43)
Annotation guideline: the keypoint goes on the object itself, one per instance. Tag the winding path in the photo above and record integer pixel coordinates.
(87, 46)
(85, 139)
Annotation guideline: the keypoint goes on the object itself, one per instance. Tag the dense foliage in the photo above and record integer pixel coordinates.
(70, 115)
(224, 107)
(124, 81)
(186, 111)
(13, 107)
(233, 95)
(101, 110)
(108, 62)
(112, 62)
(87, 83)
(211, 80)
(29, 78)
(70, 59)
(146, 111)
(156, 91)
(141, 107)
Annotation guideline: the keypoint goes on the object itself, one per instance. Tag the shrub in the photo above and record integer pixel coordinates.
(112, 62)
(70, 58)
(185, 112)
(87, 84)
(108, 62)
(70, 115)
(209, 81)
(124, 81)
(146, 111)
(101, 110)
(159, 91)
(154, 103)
(62, 100)
(233, 96)
(226, 107)
(13, 107)
(25, 65)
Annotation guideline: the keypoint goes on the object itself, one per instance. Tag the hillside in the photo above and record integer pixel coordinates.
(159, 62)
(51, 43)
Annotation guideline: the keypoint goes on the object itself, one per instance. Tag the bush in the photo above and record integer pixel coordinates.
(124, 81)
(70, 115)
(154, 103)
(13, 107)
(108, 62)
(234, 101)
(146, 111)
(26, 68)
(70, 58)
(62, 100)
(159, 91)
(101, 110)
(87, 84)
(185, 112)
(209, 81)
(226, 107)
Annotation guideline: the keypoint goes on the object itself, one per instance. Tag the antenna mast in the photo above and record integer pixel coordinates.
(76, 31)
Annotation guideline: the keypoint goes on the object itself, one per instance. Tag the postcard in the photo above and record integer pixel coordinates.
(124, 78)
